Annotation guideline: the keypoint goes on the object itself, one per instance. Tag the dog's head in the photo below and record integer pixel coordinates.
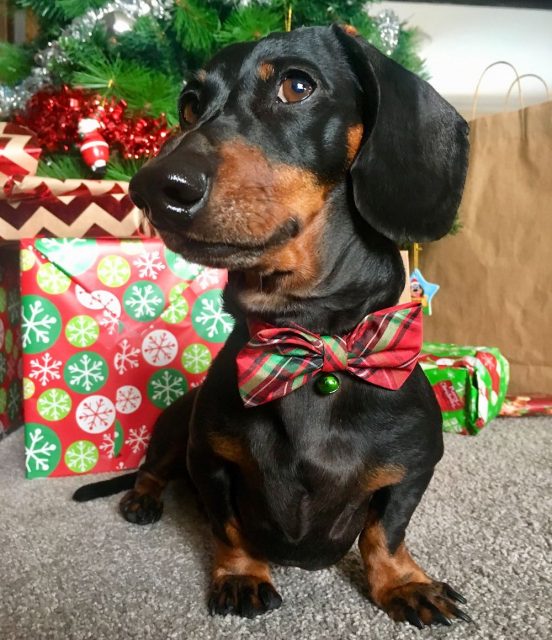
(271, 129)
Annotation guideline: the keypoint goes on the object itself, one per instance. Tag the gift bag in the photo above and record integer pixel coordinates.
(496, 273)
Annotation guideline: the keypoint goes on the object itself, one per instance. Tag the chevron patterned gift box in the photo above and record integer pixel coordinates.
(31, 206)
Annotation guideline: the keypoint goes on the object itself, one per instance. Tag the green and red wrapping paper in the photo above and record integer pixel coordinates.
(10, 343)
(470, 384)
(113, 331)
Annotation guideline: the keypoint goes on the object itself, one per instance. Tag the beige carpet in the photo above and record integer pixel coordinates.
(72, 571)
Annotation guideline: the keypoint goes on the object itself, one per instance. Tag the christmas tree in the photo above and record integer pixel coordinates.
(123, 63)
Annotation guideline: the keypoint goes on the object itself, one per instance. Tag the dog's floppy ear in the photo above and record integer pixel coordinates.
(409, 174)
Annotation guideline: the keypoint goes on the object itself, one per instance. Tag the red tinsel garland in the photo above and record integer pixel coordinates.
(54, 116)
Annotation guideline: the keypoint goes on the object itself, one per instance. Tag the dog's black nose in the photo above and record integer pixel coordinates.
(163, 192)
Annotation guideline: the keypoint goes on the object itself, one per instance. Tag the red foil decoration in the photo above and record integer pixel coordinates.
(55, 114)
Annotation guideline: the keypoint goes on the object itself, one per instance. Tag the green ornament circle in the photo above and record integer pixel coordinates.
(165, 386)
(196, 358)
(3, 368)
(3, 399)
(118, 439)
(113, 271)
(82, 331)
(327, 383)
(42, 450)
(54, 404)
(81, 456)
(72, 255)
(177, 310)
(3, 298)
(181, 267)
(143, 301)
(51, 279)
(85, 372)
(40, 323)
(209, 319)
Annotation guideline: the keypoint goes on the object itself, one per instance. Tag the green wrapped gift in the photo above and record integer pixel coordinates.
(470, 383)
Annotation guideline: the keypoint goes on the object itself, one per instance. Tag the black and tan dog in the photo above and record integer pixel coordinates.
(304, 160)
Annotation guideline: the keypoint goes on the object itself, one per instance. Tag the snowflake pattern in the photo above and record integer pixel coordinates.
(159, 348)
(128, 399)
(149, 264)
(38, 324)
(166, 387)
(45, 369)
(54, 404)
(81, 456)
(176, 311)
(138, 439)
(95, 414)
(107, 444)
(51, 279)
(207, 278)
(113, 271)
(38, 452)
(196, 358)
(143, 301)
(126, 357)
(86, 372)
(110, 322)
(82, 331)
(217, 322)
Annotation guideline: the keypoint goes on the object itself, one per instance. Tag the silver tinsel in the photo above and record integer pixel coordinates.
(14, 98)
(389, 26)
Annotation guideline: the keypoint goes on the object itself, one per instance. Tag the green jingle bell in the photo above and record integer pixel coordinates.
(327, 383)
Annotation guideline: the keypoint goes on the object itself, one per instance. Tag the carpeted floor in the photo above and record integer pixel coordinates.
(73, 571)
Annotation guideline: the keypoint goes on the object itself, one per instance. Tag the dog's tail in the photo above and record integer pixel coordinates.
(105, 488)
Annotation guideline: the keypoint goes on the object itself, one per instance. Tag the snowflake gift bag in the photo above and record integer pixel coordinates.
(10, 350)
(113, 331)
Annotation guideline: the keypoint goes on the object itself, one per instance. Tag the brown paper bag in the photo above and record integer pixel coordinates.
(496, 273)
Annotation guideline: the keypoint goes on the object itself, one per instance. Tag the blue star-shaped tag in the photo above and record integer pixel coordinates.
(422, 291)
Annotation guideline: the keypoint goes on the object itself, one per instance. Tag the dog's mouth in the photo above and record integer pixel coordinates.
(227, 255)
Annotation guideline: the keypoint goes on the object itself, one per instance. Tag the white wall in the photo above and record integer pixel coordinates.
(462, 40)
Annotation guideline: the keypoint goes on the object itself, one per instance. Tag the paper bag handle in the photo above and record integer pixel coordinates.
(526, 75)
(490, 66)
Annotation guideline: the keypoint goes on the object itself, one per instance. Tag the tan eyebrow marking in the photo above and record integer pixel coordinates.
(266, 71)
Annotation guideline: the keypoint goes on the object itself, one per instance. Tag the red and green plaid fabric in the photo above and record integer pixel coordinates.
(382, 349)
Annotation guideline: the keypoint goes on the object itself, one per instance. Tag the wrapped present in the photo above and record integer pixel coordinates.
(31, 206)
(527, 405)
(470, 383)
(113, 331)
(10, 341)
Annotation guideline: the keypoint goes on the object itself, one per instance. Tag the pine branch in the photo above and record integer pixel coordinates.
(195, 25)
(62, 166)
(118, 169)
(250, 23)
(15, 63)
(75, 8)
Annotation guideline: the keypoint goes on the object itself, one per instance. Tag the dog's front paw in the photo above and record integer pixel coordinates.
(140, 508)
(424, 604)
(245, 596)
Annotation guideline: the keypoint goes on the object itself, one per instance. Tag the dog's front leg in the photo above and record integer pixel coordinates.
(396, 583)
(240, 582)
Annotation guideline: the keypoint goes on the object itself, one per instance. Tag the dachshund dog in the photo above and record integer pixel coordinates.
(305, 159)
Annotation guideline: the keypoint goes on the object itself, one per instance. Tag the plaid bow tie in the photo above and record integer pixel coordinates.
(382, 349)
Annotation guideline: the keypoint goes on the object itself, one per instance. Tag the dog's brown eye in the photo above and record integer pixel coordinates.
(295, 88)
(190, 110)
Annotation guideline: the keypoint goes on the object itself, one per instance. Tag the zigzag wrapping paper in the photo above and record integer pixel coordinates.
(31, 206)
